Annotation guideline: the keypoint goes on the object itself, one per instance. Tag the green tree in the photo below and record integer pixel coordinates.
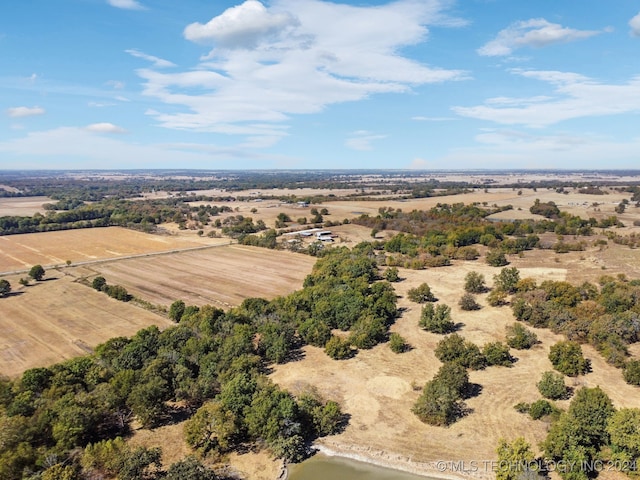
(421, 294)
(631, 372)
(552, 386)
(454, 348)
(513, 459)
(176, 310)
(507, 280)
(496, 258)
(438, 405)
(540, 408)
(624, 430)
(437, 319)
(397, 343)
(391, 274)
(520, 337)
(5, 287)
(190, 468)
(99, 283)
(338, 348)
(315, 332)
(211, 428)
(474, 283)
(497, 353)
(566, 357)
(37, 272)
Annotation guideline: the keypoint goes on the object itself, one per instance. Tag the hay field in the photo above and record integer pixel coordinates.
(223, 276)
(58, 318)
(375, 387)
(55, 248)
(22, 206)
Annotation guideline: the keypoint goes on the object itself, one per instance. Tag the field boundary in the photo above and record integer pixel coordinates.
(115, 259)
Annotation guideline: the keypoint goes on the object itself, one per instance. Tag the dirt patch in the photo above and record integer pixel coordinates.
(22, 206)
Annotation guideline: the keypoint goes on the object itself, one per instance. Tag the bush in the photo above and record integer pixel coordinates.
(98, 283)
(421, 294)
(566, 357)
(397, 343)
(5, 287)
(338, 348)
(468, 302)
(631, 372)
(437, 320)
(552, 386)
(540, 408)
(507, 280)
(496, 258)
(367, 332)
(497, 353)
(118, 292)
(497, 298)
(454, 348)
(520, 338)
(474, 283)
(36, 272)
(176, 310)
(391, 274)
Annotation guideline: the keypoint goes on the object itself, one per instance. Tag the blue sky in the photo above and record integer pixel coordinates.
(422, 84)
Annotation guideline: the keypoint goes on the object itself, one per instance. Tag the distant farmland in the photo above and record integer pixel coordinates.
(222, 276)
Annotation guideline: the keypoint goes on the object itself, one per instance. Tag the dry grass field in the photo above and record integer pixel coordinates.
(58, 318)
(22, 206)
(19, 252)
(222, 276)
(375, 387)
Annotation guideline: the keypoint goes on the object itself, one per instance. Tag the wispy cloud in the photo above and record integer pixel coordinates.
(115, 84)
(536, 32)
(634, 23)
(362, 140)
(21, 112)
(295, 57)
(126, 4)
(420, 118)
(574, 96)
(157, 62)
(105, 127)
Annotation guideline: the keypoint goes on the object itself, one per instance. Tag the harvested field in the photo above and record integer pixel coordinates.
(58, 318)
(22, 206)
(222, 276)
(18, 252)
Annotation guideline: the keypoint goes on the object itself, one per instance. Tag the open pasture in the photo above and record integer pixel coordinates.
(58, 318)
(19, 252)
(223, 276)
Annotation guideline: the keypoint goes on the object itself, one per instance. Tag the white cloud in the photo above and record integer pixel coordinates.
(20, 112)
(420, 118)
(105, 127)
(157, 62)
(634, 23)
(244, 25)
(305, 55)
(574, 96)
(536, 32)
(362, 140)
(116, 84)
(126, 4)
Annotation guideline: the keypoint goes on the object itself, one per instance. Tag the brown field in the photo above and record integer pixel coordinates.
(375, 387)
(18, 252)
(58, 318)
(22, 206)
(222, 276)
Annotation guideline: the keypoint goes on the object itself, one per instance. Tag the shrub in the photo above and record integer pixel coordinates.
(437, 320)
(391, 274)
(566, 357)
(338, 348)
(497, 353)
(552, 386)
(36, 272)
(540, 408)
(118, 292)
(176, 310)
(454, 348)
(397, 343)
(474, 283)
(421, 294)
(520, 337)
(468, 302)
(496, 258)
(5, 287)
(497, 298)
(507, 280)
(367, 332)
(631, 372)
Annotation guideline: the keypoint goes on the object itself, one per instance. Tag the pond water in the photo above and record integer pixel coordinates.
(322, 467)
